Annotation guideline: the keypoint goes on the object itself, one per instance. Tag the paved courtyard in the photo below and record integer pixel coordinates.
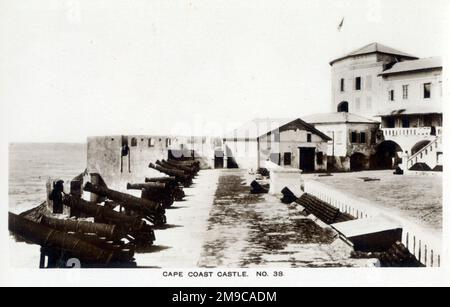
(416, 197)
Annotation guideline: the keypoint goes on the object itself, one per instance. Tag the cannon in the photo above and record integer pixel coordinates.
(147, 185)
(178, 174)
(136, 229)
(172, 183)
(150, 210)
(171, 171)
(186, 168)
(161, 179)
(288, 196)
(257, 188)
(101, 230)
(65, 245)
(154, 191)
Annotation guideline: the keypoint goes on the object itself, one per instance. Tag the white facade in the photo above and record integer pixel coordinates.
(403, 92)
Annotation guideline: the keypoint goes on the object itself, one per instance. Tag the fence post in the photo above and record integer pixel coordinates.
(420, 250)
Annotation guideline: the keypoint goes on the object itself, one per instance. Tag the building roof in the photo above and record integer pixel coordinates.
(409, 110)
(337, 117)
(374, 48)
(414, 65)
(262, 126)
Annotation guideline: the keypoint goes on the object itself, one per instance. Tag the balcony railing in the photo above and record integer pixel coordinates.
(422, 131)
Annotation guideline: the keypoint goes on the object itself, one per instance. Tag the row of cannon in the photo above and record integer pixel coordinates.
(121, 222)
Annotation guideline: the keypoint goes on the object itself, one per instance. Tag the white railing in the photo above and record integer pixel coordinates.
(423, 243)
(392, 132)
(430, 148)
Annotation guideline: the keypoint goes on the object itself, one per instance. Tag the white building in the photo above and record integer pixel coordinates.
(402, 92)
(287, 142)
(353, 139)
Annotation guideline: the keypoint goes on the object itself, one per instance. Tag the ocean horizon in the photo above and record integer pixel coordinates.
(31, 164)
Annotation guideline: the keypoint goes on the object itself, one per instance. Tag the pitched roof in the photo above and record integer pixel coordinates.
(374, 48)
(262, 126)
(337, 117)
(414, 65)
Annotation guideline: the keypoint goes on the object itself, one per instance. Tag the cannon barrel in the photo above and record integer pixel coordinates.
(133, 225)
(185, 168)
(150, 210)
(103, 213)
(51, 238)
(99, 229)
(147, 185)
(128, 201)
(168, 171)
(161, 179)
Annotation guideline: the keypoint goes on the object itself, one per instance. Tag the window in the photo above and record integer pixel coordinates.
(391, 95)
(133, 142)
(357, 104)
(362, 138)
(320, 158)
(369, 103)
(427, 90)
(405, 92)
(368, 83)
(353, 137)
(151, 142)
(358, 83)
(287, 158)
(342, 85)
(269, 140)
(168, 142)
(308, 137)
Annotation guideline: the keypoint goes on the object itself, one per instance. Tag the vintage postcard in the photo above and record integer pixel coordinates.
(224, 143)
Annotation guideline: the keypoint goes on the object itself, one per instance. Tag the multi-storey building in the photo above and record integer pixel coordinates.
(400, 91)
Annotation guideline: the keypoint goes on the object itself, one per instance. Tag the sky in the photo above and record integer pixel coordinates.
(76, 68)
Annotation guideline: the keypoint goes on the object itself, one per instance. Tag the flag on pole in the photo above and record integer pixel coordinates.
(341, 24)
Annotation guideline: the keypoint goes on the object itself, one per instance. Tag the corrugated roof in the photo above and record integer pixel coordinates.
(261, 126)
(337, 117)
(414, 65)
(374, 48)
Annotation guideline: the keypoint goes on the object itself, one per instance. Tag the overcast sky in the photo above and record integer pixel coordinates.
(70, 69)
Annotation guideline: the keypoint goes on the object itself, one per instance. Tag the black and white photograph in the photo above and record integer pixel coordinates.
(201, 143)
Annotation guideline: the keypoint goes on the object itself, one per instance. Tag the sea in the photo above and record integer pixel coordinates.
(32, 164)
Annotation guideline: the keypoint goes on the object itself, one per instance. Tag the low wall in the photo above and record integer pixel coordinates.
(422, 242)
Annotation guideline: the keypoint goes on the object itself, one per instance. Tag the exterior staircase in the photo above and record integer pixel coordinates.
(430, 155)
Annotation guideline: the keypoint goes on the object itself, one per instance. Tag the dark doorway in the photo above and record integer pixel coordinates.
(386, 156)
(125, 156)
(307, 155)
(357, 162)
(343, 107)
(218, 159)
(287, 158)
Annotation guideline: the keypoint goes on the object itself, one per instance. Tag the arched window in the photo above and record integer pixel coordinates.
(343, 107)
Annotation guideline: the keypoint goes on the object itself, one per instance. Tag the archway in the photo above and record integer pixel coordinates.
(342, 107)
(357, 161)
(387, 155)
(418, 146)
